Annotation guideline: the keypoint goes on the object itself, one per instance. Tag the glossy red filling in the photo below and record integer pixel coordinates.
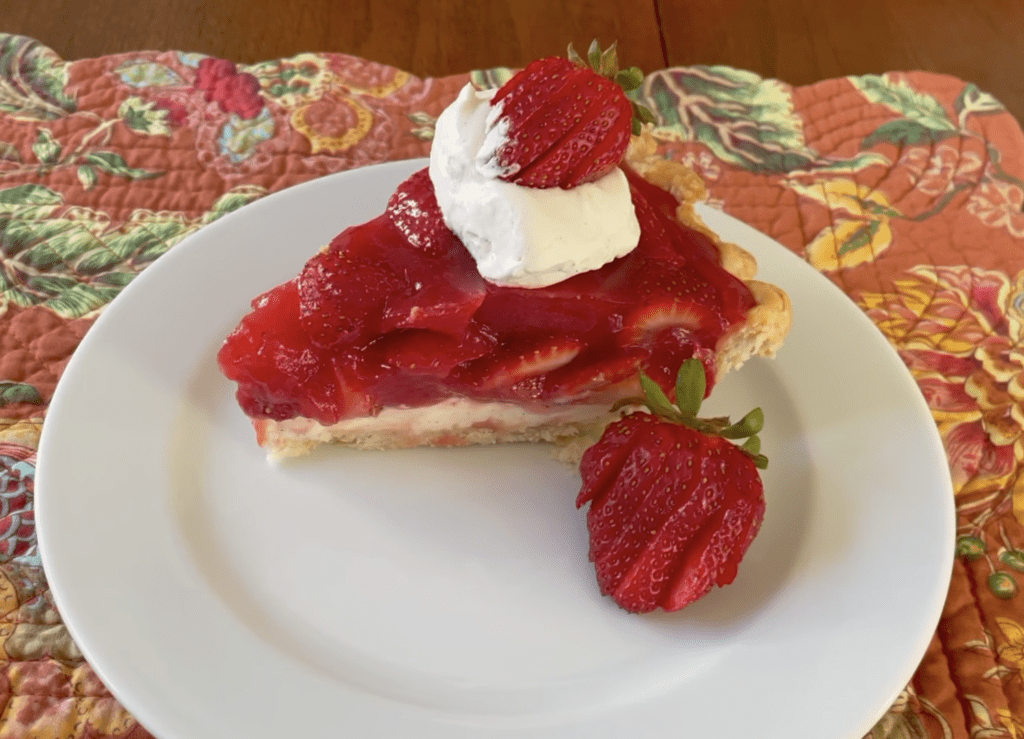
(394, 313)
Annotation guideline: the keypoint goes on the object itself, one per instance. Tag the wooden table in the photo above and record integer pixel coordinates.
(798, 41)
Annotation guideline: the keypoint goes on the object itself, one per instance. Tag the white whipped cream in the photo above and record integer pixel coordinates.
(522, 236)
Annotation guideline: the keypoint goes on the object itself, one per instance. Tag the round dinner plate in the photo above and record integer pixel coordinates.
(447, 592)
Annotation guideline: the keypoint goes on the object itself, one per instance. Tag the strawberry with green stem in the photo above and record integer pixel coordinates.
(563, 122)
(674, 503)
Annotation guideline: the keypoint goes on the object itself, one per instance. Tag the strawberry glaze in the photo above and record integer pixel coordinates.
(394, 313)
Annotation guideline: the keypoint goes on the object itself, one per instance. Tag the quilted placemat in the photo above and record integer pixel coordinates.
(905, 189)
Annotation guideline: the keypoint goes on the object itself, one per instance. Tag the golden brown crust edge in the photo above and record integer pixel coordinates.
(768, 323)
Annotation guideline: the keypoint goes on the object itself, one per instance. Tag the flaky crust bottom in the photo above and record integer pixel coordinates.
(761, 334)
(281, 442)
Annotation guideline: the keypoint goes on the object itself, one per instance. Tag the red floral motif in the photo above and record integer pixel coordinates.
(17, 519)
(176, 112)
(233, 91)
(940, 170)
(998, 204)
(949, 325)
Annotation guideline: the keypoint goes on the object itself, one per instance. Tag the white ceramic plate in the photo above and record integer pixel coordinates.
(447, 593)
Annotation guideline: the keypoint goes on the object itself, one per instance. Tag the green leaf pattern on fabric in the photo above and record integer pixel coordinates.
(71, 259)
(113, 163)
(904, 100)
(973, 101)
(18, 392)
(240, 136)
(922, 117)
(46, 149)
(745, 120)
(147, 73)
(32, 81)
(144, 117)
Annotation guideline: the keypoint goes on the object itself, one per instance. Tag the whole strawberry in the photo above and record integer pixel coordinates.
(564, 122)
(674, 504)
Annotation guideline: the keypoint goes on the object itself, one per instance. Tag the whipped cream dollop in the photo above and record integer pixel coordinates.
(522, 236)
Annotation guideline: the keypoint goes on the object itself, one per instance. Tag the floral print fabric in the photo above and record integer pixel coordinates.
(905, 189)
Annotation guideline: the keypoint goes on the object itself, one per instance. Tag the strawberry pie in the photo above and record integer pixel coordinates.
(512, 290)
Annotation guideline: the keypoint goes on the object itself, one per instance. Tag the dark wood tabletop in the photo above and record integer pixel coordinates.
(797, 41)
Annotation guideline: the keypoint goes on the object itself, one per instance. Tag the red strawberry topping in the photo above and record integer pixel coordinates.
(332, 316)
(565, 123)
(414, 211)
(386, 295)
(674, 504)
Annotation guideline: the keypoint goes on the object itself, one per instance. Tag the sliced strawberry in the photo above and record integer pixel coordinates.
(564, 123)
(704, 534)
(713, 557)
(414, 211)
(698, 276)
(646, 322)
(426, 352)
(279, 374)
(601, 465)
(402, 273)
(625, 477)
(592, 379)
(518, 365)
(439, 299)
(674, 484)
(342, 292)
(673, 503)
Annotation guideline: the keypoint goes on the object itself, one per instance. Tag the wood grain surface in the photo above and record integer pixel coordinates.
(798, 41)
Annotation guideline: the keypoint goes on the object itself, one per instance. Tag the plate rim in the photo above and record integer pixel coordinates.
(181, 252)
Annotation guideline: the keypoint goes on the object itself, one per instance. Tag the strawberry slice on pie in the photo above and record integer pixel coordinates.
(390, 337)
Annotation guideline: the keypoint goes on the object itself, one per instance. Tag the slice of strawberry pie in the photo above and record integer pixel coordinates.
(510, 291)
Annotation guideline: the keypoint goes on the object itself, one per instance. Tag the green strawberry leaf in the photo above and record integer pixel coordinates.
(657, 401)
(594, 55)
(691, 385)
(750, 424)
(609, 66)
(630, 79)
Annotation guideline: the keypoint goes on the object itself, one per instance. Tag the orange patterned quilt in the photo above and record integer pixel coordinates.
(906, 189)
